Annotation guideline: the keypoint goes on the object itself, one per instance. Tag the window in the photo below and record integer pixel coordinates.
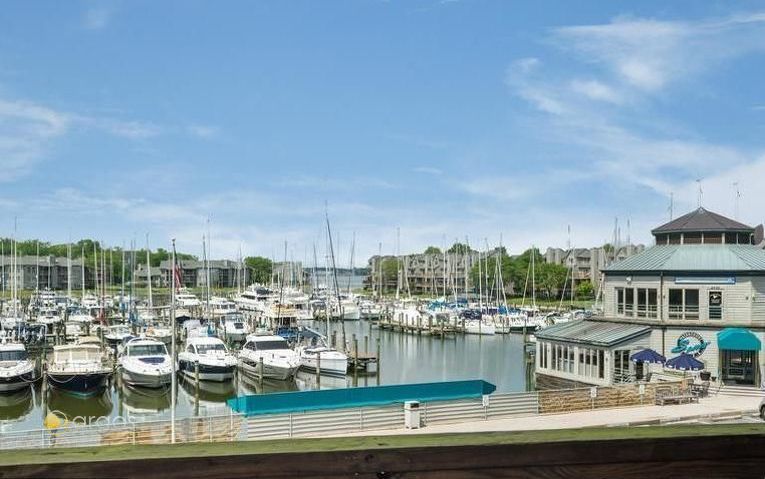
(647, 305)
(691, 304)
(629, 301)
(619, 300)
(601, 364)
(621, 366)
(715, 304)
(675, 304)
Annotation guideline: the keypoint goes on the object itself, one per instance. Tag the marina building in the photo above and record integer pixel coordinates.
(421, 273)
(223, 273)
(586, 263)
(700, 290)
(44, 271)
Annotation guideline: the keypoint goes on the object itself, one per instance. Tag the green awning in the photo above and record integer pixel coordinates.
(738, 338)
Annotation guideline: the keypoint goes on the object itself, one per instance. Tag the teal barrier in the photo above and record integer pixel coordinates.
(357, 397)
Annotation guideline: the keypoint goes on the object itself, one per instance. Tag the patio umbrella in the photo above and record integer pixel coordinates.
(648, 356)
(684, 362)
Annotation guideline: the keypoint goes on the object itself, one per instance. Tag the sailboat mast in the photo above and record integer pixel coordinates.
(148, 272)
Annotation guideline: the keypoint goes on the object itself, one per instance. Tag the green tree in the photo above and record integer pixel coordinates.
(585, 290)
(432, 250)
(550, 278)
(261, 268)
(459, 248)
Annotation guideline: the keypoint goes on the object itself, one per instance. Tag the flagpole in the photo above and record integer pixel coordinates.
(172, 348)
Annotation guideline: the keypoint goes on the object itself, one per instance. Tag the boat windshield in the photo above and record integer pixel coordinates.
(13, 355)
(147, 350)
(206, 348)
(271, 345)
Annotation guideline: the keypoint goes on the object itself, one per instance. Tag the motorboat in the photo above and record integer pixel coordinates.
(145, 362)
(234, 327)
(268, 356)
(480, 326)
(186, 299)
(12, 321)
(315, 353)
(160, 333)
(214, 360)
(221, 306)
(17, 370)
(116, 334)
(82, 368)
(370, 310)
(48, 316)
(79, 315)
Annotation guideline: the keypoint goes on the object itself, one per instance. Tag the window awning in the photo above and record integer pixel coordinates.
(739, 339)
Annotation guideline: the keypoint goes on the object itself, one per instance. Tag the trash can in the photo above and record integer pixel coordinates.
(412, 414)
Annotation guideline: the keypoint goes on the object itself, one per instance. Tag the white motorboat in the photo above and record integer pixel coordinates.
(221, 306)
(48, 316)
(187, 299)
(210, 355)
(117, 333)
(17, 371)
(81, 368)
(253, 299)
(79, 315)
(145, 362)
(315, 353)
(159, 333)
(268, 356)
(234, 327)
(12, 321)
(479, 326)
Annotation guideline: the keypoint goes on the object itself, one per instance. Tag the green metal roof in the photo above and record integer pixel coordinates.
(596, 333)
(694, 258)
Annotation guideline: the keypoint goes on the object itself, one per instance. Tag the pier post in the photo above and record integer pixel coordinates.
(334, 339)
(378, 361)
(44, 390)
(262, 371)
(419, 327)
(355, 361)
(318, 370)
(366, 344)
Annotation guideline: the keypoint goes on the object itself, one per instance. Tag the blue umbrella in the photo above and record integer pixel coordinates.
(684, 362)
(648, 356)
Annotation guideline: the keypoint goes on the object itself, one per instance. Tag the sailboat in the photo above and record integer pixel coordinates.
(13, 319)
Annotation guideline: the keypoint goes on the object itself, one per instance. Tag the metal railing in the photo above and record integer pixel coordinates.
(237, 427)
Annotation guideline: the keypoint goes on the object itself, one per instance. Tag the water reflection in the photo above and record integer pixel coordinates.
(17, 404)
(85, 409)
(145, 402)
(307, 381)
(250, 385)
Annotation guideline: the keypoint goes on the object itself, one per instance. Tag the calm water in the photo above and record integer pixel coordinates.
(405, 359)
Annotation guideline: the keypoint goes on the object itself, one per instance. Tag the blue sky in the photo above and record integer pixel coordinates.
(444, 118)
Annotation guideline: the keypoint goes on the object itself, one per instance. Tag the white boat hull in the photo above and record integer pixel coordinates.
(134, 378)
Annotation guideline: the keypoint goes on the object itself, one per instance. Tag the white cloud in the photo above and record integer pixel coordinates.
(25, 131)
(98, 16)
(649, 54)
(596, 90)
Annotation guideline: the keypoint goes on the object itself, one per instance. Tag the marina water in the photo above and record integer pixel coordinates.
(405, 358)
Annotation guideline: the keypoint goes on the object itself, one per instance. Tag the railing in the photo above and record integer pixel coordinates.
(237, 427)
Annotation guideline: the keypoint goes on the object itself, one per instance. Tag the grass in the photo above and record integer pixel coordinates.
(111, 453)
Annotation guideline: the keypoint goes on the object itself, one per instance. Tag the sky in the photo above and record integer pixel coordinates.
(428, 121)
